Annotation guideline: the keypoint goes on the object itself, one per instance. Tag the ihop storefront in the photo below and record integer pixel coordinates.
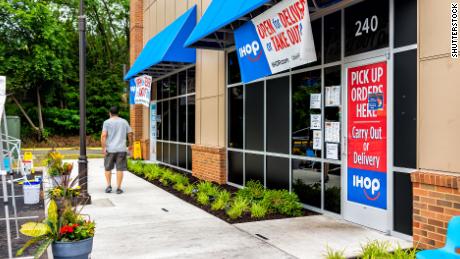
(318, 97)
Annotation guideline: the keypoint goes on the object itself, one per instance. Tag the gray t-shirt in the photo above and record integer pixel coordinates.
(117, 128)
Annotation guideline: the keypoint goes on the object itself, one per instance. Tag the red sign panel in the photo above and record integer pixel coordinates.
(367, 134)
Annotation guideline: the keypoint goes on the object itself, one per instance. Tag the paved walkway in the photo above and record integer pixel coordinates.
(147, 222)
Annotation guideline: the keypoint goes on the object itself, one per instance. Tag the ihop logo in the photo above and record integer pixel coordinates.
(251, 50)
(370, 187)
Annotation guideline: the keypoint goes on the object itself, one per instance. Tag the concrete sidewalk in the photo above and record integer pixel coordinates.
(147, 222)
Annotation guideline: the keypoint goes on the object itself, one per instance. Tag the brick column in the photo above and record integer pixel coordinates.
(436, 201)
(208, 163)
(136, 20)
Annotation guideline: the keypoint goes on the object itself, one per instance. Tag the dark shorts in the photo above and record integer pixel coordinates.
(118, 159)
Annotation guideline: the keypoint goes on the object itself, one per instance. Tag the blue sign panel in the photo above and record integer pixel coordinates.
(367, 187)
(132, 91)
(251, 55)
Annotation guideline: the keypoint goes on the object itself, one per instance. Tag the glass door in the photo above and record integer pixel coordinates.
(365, 166)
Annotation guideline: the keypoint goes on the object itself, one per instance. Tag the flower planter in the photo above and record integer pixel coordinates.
(73, 250)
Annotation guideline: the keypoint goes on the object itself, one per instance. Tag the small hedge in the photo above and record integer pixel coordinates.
(253, 199)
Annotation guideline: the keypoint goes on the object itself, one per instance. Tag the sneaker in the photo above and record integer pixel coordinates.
(119, 191)
(108, 189)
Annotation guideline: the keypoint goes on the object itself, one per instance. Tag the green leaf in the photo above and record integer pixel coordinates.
(53, 214)
(42, 248)
(34, 229)
(27, 244)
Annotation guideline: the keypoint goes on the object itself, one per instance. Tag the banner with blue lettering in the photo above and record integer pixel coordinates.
(276, 40)
(132, 91)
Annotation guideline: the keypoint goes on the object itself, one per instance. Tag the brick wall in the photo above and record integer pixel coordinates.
(436, 200)
(136, 21)
(208, 163)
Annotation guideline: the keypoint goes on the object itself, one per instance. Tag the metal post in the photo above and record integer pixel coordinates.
(83, 161)
(5, 201)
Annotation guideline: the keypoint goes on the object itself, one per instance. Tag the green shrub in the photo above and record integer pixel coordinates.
(376, 249)
(400, 253)
(137, 168)
(189, 190)
(331, 254)
(152, 172)
(238, 207)
(221, 201)
(208, 188)
(258, 210)
(166, 177)
(254, 190)
(202, 198)
(282, 201)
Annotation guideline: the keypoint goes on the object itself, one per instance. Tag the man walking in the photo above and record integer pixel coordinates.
(113, 141)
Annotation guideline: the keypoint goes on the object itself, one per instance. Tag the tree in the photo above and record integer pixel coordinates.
(39, 56)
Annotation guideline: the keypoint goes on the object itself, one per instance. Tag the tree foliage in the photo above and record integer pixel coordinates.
(39, 56)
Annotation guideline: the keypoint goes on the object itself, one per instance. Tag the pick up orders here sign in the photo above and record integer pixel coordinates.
(367, 134)
(276, 40)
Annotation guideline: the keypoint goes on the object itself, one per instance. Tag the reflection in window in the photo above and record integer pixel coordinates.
(165, 120)
(191, 119)
(173, 120)
(305, 87)
(182, 120)
(191, 80)
(306, 181)
(234, 74)
(182, 83)
(332, 187)
(159, 120)
(235, 116)
(173, 86)
(332, 37)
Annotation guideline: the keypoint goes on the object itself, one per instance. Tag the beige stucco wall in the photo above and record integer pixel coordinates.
(210, 70)
(439, 90)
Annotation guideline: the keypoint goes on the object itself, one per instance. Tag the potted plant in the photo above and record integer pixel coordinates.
(56, 168)
(69, 232)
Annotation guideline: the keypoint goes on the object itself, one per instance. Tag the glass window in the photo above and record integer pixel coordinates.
(182, 159)
(183, 119)
(191, 80)
(235, 167)
(159, 151)
(366, 26)
(165, 120)
(173, 85)
(254, 131)
(332, 106)
(254, 168)
(234, 74)
(332, 37)
(277, 173)
(182, 83)
(166, 153)
(306, 181)
(278, 115)
(191, 119)
(173, 123)
(332, 184)
(160, 89)
(173, 154)
(403, 203)
(235, 117)
(189, 157)
(165, 88)
(405, 22)
(306, 87)
(405, 109)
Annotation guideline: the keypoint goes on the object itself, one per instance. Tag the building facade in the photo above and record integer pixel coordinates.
(292, 130)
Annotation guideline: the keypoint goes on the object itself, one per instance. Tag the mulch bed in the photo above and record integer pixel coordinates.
(23, 210)
(246, 217)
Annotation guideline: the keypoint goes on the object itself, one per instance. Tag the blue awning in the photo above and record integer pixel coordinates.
(165, 52)
(216, 25)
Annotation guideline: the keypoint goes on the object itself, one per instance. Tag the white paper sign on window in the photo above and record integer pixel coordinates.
(332, 151)
(315, 101)
(332, 96)
(332, 131)
(317, 140)
(315, 121)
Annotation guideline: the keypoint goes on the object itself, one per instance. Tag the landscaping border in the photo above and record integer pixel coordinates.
(220, 213)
